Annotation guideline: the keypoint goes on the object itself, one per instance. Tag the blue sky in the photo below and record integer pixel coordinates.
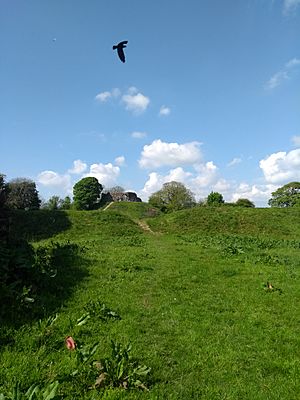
(209, 94)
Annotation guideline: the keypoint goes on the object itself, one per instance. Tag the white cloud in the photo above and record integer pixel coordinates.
(120, 161)
(284, 74)
(156, 181)
(158, 154)
(164, 110)
(138, 135)
(255, 193)
(104, 96)
(294, 62)
(106, 174)
(78, 167)
(296, 140)
(290, 6)
(135, 101)
(55, 180)
(276, 80)
(281, 167)
(222, 185)
(234, 161)
(207, 174)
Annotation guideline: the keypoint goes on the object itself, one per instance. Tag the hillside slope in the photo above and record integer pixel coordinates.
(257, 221)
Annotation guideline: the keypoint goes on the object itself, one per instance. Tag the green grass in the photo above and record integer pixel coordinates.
(190, 296)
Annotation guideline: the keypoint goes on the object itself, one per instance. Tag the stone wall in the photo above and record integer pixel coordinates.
(120, 196)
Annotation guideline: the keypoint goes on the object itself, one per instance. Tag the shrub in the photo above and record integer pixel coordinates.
(214, 199)
(245, 203)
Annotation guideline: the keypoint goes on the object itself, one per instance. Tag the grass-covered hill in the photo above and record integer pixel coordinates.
(209, 300)
(235, 220)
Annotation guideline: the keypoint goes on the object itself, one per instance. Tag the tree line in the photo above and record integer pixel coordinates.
(22, 194)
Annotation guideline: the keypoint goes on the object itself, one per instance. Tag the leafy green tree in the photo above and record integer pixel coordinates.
(22, 195)
(286, 196)
(172, 197)
(54, 203)
(214, 199)
(244, 203)
(66, 203)
(87, 193)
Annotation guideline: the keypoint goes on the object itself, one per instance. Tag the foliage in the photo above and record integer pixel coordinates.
(87, 193)
(286, 196)
(121, 370)
(54, 203)
(23, 268)
(172, 197)
(22, 195)
(99, 310)
(214, 199)
(35, 392)
(244, 203)
(66, 203)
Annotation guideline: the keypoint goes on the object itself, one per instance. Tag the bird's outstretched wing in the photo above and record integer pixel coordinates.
(122, 43)
(121, 54)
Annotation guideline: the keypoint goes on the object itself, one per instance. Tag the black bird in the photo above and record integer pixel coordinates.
(120, 48)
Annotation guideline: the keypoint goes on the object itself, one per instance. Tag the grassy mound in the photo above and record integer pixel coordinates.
(134, 210)
(258, 221)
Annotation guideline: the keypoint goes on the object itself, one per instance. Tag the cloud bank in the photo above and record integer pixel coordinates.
(159, 153)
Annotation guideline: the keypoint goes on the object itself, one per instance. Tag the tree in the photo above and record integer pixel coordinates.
(286, 196)
(244, 203)
(173, 196)
(54, 203)
(87, 193)
(66, 203)
(214, 199)
(22, 195)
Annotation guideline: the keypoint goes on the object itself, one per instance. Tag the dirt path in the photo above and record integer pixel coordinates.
(144, 226)
(108, 205)
(141, 223)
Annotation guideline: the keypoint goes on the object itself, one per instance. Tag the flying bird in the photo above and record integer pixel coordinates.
(120, 46)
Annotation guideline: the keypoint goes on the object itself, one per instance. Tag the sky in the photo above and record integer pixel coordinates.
(209, 95)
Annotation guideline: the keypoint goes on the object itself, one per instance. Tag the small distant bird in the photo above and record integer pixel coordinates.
(120, 46)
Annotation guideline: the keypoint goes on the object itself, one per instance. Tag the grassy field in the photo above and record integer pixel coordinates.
(208, 299)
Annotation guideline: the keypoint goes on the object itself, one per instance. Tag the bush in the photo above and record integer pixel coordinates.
(25, 270)
(214, 199)
(244, 203)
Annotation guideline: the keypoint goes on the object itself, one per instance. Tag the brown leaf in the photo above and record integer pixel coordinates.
(100, 380)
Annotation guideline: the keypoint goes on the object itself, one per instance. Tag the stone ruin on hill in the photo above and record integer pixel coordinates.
(120, 196)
